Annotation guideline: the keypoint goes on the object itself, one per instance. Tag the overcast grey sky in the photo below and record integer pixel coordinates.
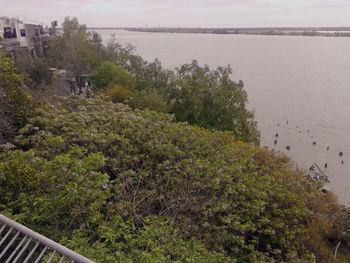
(185, 13)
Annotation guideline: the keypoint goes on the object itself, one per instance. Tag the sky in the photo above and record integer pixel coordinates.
(184, 13)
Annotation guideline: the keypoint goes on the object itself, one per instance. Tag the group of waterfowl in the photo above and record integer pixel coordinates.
(288, 147)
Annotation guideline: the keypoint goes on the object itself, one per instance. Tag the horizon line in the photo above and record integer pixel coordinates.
(346, 28)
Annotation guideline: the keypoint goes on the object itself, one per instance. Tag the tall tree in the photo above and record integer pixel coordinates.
(71, 27)
(76, 50)
(210, 99)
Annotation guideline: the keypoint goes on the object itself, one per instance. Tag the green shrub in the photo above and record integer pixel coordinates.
(40, 72)
(150, 99)
(109, 74)
(16, 105)
(117, 93)
(36, 70)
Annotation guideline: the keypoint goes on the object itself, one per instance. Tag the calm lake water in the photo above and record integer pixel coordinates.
(304, 81)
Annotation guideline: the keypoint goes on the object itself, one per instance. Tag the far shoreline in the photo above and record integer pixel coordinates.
(277, 31)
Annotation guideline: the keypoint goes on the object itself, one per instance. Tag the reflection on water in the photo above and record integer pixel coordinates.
(302, 80)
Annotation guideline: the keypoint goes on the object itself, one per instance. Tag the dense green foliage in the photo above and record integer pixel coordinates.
(211, 99)
(108, 74)
(35, 71)
(16, 105)
(198, 95)
(119, 184)
(9, 76)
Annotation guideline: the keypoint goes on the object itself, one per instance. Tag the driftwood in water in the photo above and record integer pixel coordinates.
(316, 174)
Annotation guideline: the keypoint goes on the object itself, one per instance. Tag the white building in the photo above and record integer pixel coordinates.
(19, 35)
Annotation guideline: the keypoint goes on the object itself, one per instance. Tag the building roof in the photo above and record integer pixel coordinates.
(12, 19)
(22, 21)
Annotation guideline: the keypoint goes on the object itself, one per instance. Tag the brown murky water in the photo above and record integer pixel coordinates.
(302, 80)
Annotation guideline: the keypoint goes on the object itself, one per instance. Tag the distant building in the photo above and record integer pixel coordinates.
(18, 35)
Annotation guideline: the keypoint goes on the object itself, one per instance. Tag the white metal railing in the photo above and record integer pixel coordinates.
(20, 244)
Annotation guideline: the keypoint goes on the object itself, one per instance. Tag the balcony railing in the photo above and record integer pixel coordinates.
(20, 244)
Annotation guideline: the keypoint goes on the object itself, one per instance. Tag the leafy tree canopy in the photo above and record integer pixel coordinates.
(109, 74)
(210, 99)
(76, 50)
(71, 27)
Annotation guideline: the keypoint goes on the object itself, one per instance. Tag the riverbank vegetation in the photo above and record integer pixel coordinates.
(291, 31)
(159, 166)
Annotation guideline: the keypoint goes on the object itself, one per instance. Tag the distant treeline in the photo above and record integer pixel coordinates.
(283, 31)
